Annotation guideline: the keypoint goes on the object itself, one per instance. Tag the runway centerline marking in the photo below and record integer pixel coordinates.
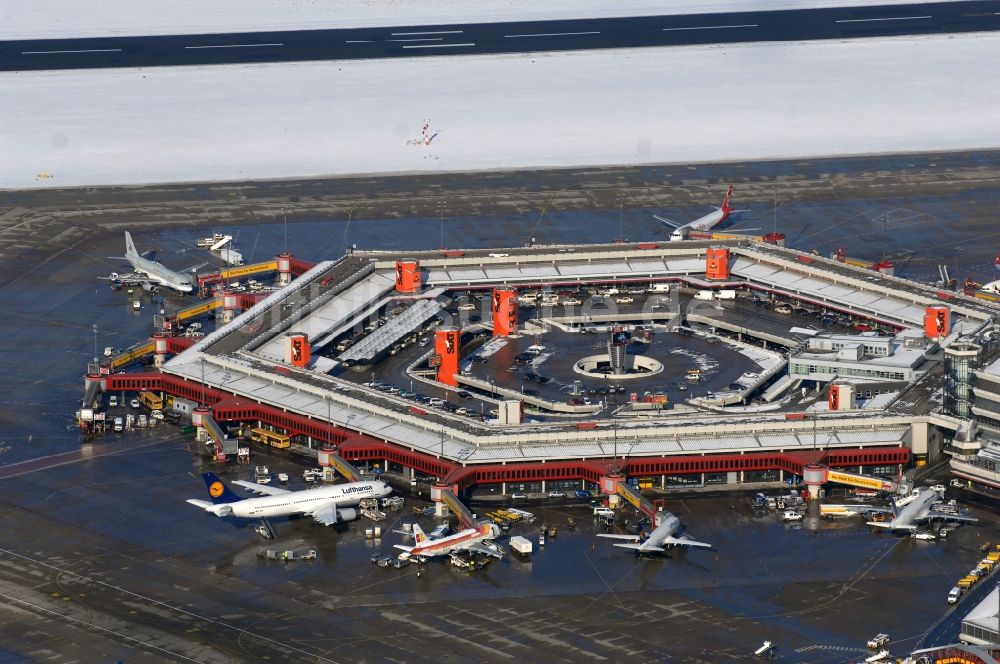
(893, 18)
(417, 40)
(437, 32)
(553, 34)
(436, 45)
(88, 50)
(234, 46)
(714, 27)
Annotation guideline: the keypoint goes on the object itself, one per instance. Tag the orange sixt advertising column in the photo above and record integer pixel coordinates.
(446, 342)
(504, 312)
(297, 349)
(937, 322)
(717, 263)
(407, 276)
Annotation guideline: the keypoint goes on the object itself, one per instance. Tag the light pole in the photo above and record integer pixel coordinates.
(95, 342)
(441, 206)
(621, 214)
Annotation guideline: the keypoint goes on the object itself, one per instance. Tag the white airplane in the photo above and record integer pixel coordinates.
(147, 271)
(326, 505)
(920, 510)
(706, 223)
(470, 539)
(663, 535)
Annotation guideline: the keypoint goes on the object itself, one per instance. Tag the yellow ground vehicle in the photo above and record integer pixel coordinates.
(967, 582)
(279, 440)
(150, 400)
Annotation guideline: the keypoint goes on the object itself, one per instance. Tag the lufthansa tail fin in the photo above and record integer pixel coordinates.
(130, 251)
(218, 491)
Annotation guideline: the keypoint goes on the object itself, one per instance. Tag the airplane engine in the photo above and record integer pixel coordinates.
(347, 514)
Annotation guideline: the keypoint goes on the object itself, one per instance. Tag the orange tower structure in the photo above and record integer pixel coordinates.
(446, 347)
(407, 276)
(937, 322)
(717, 263)
(297, 349)
(504, 312)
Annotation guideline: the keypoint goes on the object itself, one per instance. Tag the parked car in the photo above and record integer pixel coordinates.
(113, 401)
(863, 327)
(570, 302)
(468, 306)
(462, 394)
(134, 403)
(783, 309)
(625, 299)
(518, 495)
(556, 494)
(583, 493)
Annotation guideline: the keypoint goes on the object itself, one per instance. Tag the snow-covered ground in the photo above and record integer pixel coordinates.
(31, 19)
(706, 103)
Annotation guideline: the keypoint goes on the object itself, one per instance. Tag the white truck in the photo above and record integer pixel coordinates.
(704, 295)
(521, 544)
(725, 294)
(659, 288)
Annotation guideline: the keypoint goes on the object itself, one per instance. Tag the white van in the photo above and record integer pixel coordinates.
(604, 511)
(954, 595)
(113, 401)
(659, 288)
(119, 424)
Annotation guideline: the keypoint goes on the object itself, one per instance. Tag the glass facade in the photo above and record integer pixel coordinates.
(960, 360)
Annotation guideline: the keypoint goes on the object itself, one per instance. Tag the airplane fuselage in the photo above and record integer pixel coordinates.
(702, 224)
(161, 274)
(296, 503)
(463, 539)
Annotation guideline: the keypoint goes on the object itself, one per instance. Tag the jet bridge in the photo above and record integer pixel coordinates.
(637, 500)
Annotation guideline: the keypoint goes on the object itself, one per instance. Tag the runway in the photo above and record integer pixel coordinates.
(493, 38)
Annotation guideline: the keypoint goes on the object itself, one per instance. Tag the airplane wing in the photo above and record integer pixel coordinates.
(326, 515)
(195, 267)
(946, 516)
(892, 525)
(222, 509)
(666, 221)
(478, 547)
(641, 547)
(627, 538)
(685, 541)
(853, 509)
(261, 489)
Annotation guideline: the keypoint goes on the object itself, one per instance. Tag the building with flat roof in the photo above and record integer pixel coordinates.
(868, 356)
(979, 627)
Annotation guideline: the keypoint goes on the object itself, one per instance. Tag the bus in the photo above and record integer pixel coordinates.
(271, 438)
(151, 400)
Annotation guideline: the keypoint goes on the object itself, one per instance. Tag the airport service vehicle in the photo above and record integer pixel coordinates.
(703, 224)
(520, 544)
(704, 295)
(151, 400)
(791, 515)
(659, 288)
(878, 641)
(469, 539)
(142, 422)
(109, 351)
(134, 403)
(283, 478)
(880, 656)
(326, 505)
(156, 415)
(604, 511)
(113, 401)
(725, 295)
(119, 424)
(666, 534)
(146, 271)
(955, 483)
(954, 595)
(923, 536)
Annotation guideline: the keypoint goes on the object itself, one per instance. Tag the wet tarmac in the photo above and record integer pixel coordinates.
(102, 560)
